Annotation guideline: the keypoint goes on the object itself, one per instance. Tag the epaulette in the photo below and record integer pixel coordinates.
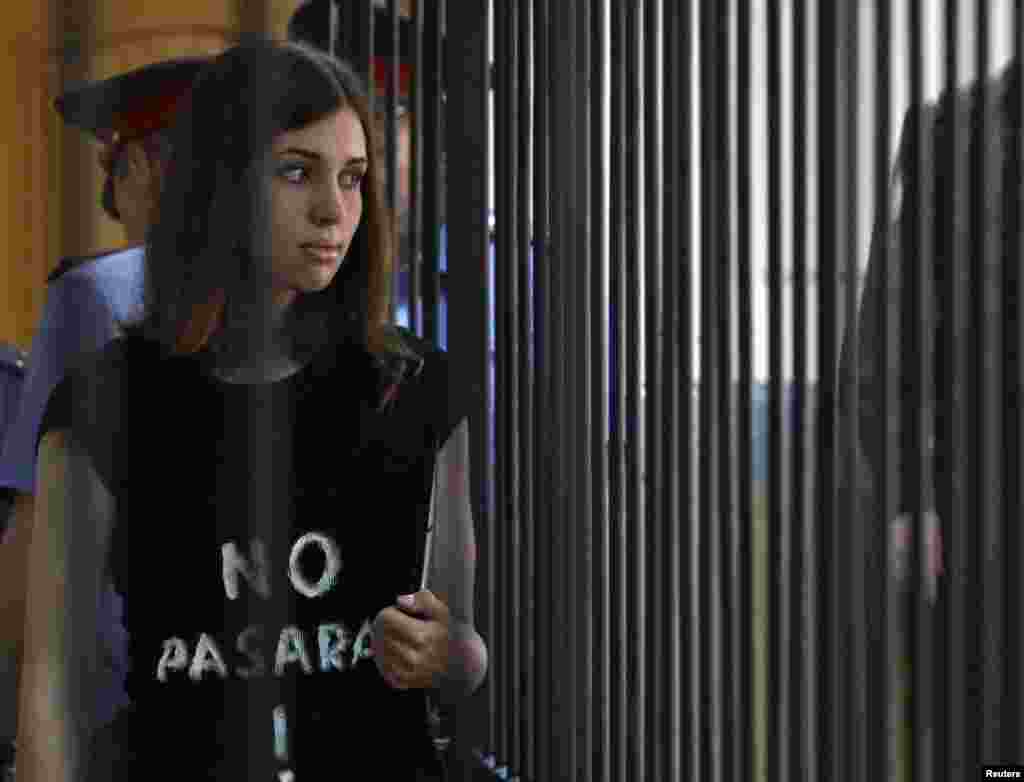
(73, 262)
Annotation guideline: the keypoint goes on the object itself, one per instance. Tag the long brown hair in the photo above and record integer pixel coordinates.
(203, 286)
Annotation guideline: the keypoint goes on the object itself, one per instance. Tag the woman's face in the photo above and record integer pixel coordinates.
(316, 202)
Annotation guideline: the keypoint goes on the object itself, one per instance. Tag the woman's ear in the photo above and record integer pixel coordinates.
(135, 190)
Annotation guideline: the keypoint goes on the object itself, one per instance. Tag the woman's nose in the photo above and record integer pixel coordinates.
(329, 206)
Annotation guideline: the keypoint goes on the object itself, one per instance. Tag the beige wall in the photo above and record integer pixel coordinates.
(26, 79)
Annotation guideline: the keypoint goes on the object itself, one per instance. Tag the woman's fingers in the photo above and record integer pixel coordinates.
(408, 651)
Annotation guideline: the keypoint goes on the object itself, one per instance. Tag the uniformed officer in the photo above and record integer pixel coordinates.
(86, 300)
(890, 531)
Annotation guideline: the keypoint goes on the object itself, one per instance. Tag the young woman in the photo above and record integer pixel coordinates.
(253, 467)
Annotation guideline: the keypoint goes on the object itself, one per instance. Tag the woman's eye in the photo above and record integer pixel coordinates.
(294, 173)
(351, 180)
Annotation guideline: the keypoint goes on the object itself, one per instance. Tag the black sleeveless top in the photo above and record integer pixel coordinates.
(259, 530)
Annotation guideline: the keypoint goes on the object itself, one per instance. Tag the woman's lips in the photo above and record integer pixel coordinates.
(323, 253)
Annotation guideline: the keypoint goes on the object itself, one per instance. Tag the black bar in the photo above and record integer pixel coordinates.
(879, 722)
(581, 400)
(541, 765)
(527, 380)
(656, 427)
(504, 250)
(850, 517)
(721, 543)
(599, 358)
(982, 695)
(710, 395)
(952, 437)
(745, 744)
(988, 373)
(418, 86)
(920, 201)
(357, 37)
(689, 572)
(564, 610)
(75, 25)
(620, 732)
(391, 138)
(800, 520)
(590, 439)
(675, 393)
(635, 749)
(467, 311)
(434, 175)
(1015, 290)
(515, 228)
(838, 724)
(777, 725)
(1007, 353)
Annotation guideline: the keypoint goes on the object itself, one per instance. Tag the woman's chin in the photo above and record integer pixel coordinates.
(318, 281)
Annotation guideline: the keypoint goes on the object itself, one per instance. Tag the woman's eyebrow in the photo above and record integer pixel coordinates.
(311, 155)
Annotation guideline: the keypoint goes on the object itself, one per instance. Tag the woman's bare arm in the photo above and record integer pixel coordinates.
(64, 571)
(453, 567)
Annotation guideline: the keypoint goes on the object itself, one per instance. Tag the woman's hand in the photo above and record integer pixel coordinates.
(410, 641)
(902, 532)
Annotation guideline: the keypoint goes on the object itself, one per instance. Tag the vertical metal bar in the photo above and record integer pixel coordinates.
(1015, 331)
(979, 698)
(880, 723)
(357, 25)
(745, 757)
(827, 552)
(542, 308)
(582, 400)
(988, 372)
(617, 339)
(391, 138)
(834, 593)
(710, 395)
(633, 423)
(253, 18)
(467, 303)
(952, 435)
(913, 399)
(852, 520)
(563, 186)
(798, 743)
(655, 424)
(689, 577)
(920, 200)
(777, 725)
(514, 222)
(75, 27)
(724, 661)
(504, 248)
(414, 225)
(1008, 178)
(434, 175)
(675, 392)
(424, 222)
(523, 752)
(599, 358)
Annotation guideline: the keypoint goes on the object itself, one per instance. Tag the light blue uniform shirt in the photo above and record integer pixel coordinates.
(84, 307)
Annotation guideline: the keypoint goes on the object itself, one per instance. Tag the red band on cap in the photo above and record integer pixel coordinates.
(382, 72)
(153, 114)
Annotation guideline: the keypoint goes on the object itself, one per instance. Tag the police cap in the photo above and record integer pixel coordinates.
(129, 107)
